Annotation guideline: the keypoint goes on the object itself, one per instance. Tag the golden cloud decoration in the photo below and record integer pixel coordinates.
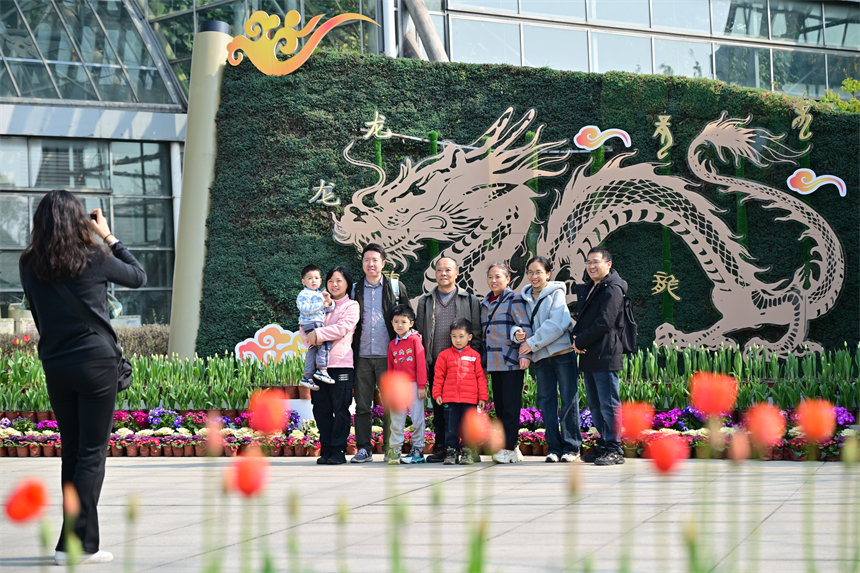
(271, 343)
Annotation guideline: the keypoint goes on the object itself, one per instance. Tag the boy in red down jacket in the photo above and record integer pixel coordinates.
(406, 354)
(459, 383)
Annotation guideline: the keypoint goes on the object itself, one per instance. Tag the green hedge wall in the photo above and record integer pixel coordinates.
(277, 136)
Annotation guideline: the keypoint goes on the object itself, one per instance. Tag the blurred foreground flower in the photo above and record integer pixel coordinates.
(475, 428)
(666, 451)
(496, 440)
(396, 392)
(636, 417)
(739, 447)
(250, 471)
(817, 419)
(27, 500)
(713, 393)
(765, 424)
(268, 409)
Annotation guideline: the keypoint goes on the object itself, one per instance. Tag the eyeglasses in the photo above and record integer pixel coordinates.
(594, 263)
(536, 273)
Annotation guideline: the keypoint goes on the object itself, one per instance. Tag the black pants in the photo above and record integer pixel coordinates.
(83, 397)
(438, 416)
(454, 412)
(331, 411)
(508, 400)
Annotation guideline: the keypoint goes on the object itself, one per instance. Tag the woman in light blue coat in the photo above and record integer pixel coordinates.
(554, 360)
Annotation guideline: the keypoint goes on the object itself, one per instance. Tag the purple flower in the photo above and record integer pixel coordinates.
(843, 416)
(585, 419)
(47, 425)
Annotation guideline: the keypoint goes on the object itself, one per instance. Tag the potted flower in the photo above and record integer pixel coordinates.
(526, 440)
(231, 446)
(298, 437)
(429, 441)
(288, 445)
(540, 441)
(350, 443)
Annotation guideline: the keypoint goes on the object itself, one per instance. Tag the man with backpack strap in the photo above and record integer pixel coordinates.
(598, 341)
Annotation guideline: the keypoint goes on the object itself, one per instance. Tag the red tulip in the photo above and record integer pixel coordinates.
(26, 338)
(817, 419)
(636, 417)
(713, 394)
(16, 342)
(666, 451)
(27, 500)
(765, 424)
(250, 472)
(475, 427)
(739, 447)
(396, 391)
(268, 410)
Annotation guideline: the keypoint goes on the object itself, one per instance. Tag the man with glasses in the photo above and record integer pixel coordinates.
(436, 311)
(597, 341)
(376, 295)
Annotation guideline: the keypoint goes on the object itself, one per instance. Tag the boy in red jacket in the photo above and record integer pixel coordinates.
(406, 354)
(459, 383)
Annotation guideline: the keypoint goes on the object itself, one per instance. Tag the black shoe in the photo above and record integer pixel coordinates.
(324, 455)
(451, 457)
(593, 455)
(437, 457)
(609, 458)
(336, 458)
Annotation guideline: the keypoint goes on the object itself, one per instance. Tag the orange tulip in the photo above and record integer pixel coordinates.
(496, 439)
(475, 427)
(739, 447)
(666, 451)
(71, 501)
(214, 440)
(636, 417)
(250, 472)
(268, 411)
(765, 424)
(817, 419)
(27, 500)
(396, 391)
(713, 394)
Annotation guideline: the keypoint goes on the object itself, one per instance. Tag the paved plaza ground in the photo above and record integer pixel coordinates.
(531, 525)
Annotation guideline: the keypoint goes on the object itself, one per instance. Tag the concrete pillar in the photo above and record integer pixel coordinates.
(204, 95)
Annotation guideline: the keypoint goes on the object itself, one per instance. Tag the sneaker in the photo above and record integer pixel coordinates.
(570, 457)
(62, 557)
(415, 457)
(450, 457)
(503, 456)
(610, 458)
(469, 457)
(592, 455)
(438, 456)
(336, 458)
(322, 376)
(518, 456)
(551, 458)
(308, 383)
(361, 456)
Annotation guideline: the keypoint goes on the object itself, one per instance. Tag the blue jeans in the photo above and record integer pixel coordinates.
(317, 356)
(605, 404)
(559, 375)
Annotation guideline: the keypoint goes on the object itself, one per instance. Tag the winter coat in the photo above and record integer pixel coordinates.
(596, 329)
(468, 307)
(407, 355)
(551, 324)
(338, 328)
(388, 302)
(458, 377)
(501, 349)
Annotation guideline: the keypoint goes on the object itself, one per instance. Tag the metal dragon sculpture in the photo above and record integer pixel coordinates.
(477, 201)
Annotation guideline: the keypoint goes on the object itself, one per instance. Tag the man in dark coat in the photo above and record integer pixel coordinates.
(597, 340)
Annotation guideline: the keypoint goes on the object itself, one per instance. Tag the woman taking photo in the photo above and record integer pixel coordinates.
(503, 313)
(554, 360)
(64, 273)
(331, 402)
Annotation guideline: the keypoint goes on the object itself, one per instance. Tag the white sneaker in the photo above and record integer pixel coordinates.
(503, 456)
(551, 458)
(517, 456)
(570, 457)
(62, 557)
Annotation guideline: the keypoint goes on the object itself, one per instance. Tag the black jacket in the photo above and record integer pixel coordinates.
(596, 329)
(388, 302)
(64, 336)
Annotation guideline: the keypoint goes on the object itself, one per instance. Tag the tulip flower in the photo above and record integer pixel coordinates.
(636, 417)
(765, 424)
(666, 451)
(268, 411)
(396, 391)
(27, 500)
(496, 439)
(739, 447)
(250, 471)
(71, 501)
(214, 440)
(26, 338)
(16, 342)
(713, 394)
(475, 428)
(817, 419)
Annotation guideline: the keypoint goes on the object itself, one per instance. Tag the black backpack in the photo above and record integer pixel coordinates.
(627, 327)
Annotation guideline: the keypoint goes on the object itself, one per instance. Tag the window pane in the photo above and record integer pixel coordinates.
(153, 307)
(13, 167)
(14, 221)
(621, 53)
(87, 33)
(481, 42)
(33, 80)
(748, 67)
(799, 73)
(692, 15)
(489, 5)
(796, 21)
(158, 266)
(7, 88)
(557, 48)
(176, 36)
(149, 86)
(50, 35)
(9, 277)
(574, 9)
(143, 222)
(740, 18)
(15, 41)
(73, 82)
(679, 58)
(123, 34)
(843, 24)
(182, 70)
(435, 5)
(90, 202)
(111, 83)
(621, 11)
(141, 168)
(59, 163)
(839, 68)
(156, 8)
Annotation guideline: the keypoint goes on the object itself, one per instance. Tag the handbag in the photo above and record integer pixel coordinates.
(89, 316)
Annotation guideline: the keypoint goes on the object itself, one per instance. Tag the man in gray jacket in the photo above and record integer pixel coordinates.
(436, 311)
